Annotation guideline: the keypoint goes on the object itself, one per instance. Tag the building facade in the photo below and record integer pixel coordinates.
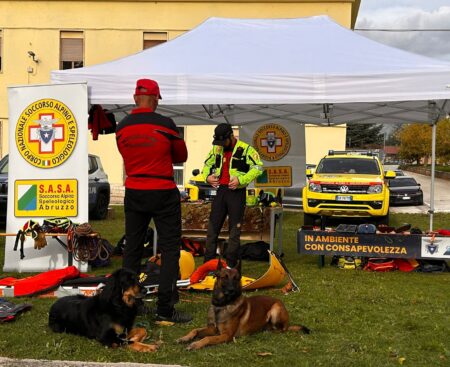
(39, 36)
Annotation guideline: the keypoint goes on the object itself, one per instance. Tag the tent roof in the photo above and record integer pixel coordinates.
(308, 70)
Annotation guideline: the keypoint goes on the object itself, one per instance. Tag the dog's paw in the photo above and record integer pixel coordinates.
(184, 339)
(149, 348)
(144, 348)
(194, 346)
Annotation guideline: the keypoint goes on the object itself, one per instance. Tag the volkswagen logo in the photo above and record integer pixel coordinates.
(344, 189)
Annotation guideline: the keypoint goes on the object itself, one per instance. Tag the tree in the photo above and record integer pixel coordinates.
(362, 136)
(415, 142)
(392, 136)
(443, 141)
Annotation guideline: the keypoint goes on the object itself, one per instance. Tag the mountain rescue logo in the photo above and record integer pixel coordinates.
(272, 141)
(431, 247)
(46, 133)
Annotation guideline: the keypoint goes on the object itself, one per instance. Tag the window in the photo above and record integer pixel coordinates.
(71, 50)
(348, 165)
(178, 169)
(92, 165)
(403, 181)
(4, 165)
(152, 39)
(1, 50)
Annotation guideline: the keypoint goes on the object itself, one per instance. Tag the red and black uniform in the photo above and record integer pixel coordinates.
(150, 144)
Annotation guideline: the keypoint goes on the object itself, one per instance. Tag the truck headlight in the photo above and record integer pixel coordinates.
(315, 187)
(375, 189)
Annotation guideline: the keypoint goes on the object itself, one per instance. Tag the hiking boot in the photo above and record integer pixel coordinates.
(177, 317)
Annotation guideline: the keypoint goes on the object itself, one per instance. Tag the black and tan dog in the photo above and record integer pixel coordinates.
(231, 314)
(107, 317)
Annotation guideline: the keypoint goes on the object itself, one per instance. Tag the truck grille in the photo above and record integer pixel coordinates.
(352, 189)
(332, 204)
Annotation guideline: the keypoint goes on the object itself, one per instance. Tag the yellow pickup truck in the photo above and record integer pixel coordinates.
(347, 184)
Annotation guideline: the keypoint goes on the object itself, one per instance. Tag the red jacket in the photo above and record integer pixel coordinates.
(150, 145)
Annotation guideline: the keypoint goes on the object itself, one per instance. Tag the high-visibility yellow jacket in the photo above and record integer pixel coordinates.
(245, 163)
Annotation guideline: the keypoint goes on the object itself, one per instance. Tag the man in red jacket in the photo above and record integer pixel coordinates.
(150, 144)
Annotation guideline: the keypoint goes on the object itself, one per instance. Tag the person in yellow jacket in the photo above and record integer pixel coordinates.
(230, 166)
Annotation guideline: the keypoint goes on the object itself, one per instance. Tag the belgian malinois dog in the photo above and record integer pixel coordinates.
(231, 314)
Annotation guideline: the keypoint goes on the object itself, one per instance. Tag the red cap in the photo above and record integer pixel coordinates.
(147, 87)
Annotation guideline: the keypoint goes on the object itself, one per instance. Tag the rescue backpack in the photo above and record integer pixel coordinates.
(380, 264)
(349, 262)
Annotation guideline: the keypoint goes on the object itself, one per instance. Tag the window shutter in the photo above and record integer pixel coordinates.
(152, 39)
(71, 49)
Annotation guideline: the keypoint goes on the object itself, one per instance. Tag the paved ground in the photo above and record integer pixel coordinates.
(441, 196)
(7, 362)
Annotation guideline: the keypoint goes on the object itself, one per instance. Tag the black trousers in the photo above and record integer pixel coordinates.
(165, 209)
(231, 203)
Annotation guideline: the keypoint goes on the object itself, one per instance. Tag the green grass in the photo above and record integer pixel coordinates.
(441, 168)
(437, 167)
(357, 318)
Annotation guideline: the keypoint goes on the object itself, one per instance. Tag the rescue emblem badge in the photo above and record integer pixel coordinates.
(46, 133)
(272, 141)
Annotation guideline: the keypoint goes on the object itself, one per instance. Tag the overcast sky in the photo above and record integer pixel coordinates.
(409, 14)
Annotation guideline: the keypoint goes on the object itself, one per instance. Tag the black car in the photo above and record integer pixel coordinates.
(99, 188)
(405, 190)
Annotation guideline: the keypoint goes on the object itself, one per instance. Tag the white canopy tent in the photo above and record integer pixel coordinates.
(307, 70)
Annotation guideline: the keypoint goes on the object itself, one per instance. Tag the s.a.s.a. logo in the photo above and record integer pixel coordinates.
(272, 142)
(46, 133)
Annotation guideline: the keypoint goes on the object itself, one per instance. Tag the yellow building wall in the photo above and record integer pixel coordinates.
(198, 142)
(114, 29)
(321, 139)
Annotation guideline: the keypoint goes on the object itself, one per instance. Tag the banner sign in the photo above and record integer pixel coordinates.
(46, 198)
(275, 176)
(48, 168)
(281, 146)
(372, 245)
(435, 247)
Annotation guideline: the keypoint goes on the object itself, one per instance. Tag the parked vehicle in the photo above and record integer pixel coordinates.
(405, 190)
(398, 172)
(99, 188)
(347, 184)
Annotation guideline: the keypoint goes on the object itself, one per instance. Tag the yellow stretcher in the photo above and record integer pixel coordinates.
(271, 278)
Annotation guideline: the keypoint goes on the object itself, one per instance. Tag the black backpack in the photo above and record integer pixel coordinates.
(148, 245)
(432, 266)
(258, 251)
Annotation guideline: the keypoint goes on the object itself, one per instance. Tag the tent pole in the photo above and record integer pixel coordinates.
(432, 106)
(433, 162)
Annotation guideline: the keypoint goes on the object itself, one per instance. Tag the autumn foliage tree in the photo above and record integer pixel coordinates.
(415, 142)
(443, 141)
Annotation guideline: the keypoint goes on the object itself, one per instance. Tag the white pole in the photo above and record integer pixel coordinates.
(433, 162)
(433, 117)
